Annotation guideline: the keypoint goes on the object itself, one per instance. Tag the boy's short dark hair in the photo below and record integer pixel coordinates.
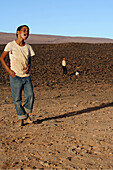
(20, 27)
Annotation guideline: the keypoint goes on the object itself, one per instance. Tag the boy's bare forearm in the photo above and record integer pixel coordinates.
(2, 59)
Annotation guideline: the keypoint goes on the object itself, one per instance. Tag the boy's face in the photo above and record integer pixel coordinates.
(23, 33)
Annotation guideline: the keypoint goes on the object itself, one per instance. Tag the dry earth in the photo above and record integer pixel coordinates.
(73, 116)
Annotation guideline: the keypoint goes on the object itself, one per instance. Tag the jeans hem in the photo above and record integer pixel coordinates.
(22, 116)
(27, 110)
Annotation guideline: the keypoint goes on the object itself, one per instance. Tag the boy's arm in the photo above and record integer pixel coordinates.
(28, 67)
(2, 59)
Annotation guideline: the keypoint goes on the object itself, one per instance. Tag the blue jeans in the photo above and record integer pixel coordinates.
(17, 85)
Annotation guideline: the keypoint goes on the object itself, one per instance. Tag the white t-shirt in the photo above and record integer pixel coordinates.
(19, 57)
(63, 63)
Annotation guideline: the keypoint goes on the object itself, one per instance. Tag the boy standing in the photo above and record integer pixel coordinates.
(64, 66)
(20, 55)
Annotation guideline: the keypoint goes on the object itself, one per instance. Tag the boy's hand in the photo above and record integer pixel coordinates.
(12, 73)
(27, 69)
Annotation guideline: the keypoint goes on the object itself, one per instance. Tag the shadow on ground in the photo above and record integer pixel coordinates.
(75, 113)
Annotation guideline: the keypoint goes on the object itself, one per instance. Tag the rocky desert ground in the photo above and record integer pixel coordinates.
(73, 115)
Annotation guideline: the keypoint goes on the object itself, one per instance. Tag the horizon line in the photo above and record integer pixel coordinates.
(62, 35)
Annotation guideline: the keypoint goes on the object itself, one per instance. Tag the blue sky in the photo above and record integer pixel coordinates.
(82, 18)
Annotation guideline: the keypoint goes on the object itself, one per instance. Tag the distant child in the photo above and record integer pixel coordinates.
(20, 54)
(64, 66)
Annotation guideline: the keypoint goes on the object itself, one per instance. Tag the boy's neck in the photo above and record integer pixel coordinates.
(20, 42)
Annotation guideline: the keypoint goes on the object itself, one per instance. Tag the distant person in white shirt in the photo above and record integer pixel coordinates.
(64, 66)
(20, 54)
